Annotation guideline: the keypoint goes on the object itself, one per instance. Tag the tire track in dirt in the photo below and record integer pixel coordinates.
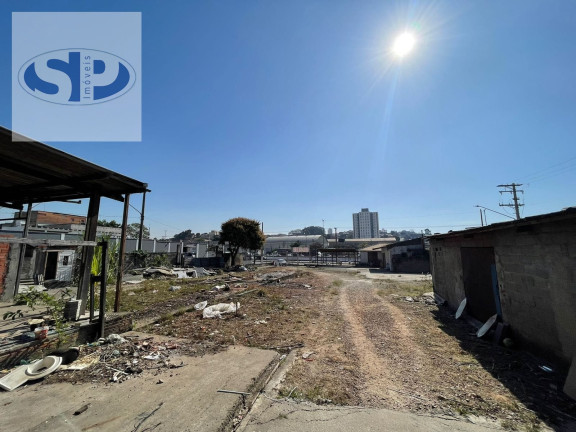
(377, 378)
(389, 359)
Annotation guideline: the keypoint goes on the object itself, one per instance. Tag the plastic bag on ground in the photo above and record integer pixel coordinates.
(216, 311)
(201, 305)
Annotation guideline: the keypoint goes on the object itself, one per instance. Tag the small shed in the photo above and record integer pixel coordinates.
(524, 271)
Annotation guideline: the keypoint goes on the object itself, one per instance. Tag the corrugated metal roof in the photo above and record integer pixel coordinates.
(31, 171)
(567, 213)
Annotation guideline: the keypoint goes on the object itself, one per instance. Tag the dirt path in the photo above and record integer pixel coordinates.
(388, 357)
(375, 349)
(361, 342)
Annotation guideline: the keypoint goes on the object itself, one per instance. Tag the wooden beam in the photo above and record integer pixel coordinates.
(11, 205)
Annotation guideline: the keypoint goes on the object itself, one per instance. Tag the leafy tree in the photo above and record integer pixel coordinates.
(313, 230)
(133, 231)
(427, 231)
(112, 223)
(295, 244)
(241, 233)
(184, 236)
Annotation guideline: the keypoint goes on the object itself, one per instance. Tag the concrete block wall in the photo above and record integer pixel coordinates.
(446, 267)
(537, 279)
(536, 271)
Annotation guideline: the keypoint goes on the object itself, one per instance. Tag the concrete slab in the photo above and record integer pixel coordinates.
(280, 416)
(186, 400)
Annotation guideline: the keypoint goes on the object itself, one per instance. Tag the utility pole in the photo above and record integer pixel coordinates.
(511, 188)
(141, 231)
(262, 250)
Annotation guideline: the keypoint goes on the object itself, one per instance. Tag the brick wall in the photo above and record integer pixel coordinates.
(4, 252)
(43, 217)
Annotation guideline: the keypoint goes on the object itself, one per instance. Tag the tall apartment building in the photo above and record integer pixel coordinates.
(366, 224)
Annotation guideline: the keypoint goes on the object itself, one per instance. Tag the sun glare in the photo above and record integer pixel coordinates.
(403, 44)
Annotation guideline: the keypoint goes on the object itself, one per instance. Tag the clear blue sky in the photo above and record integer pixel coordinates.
(291, 112)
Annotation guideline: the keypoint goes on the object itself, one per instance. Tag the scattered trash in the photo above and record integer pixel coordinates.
(32, 371)
(307, 286)
(181, 274)
(81, 410)
(224, 287)
(307, 355)
(409, 299)
(260, 322)
(201, 305)
(154, 291)
(216, 311)
(546, 368)
(115, 339)
(41, 332)
(174, 288)
(152, 357)
(461, 309)
(160, 382)
(131, 293)
(68, 354)
(158, 273)
(83, 363)
(487, 326)
(33, 323)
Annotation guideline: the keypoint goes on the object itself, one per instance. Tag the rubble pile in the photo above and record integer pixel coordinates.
(117, 359)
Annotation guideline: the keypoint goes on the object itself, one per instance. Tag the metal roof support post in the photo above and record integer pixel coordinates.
(86, 263)
(121, 253)
(22, 248)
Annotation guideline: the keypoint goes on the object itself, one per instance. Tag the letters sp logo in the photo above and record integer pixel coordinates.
(76, 76)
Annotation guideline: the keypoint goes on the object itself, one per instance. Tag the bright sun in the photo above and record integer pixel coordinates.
(403, 44)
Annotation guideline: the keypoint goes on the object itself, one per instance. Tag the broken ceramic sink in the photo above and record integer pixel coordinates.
(29, 372)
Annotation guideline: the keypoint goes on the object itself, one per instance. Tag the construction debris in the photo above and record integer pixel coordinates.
(216, 311)
(32, 371)
(201, 305)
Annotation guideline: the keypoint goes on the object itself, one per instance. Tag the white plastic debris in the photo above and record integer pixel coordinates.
(201, 305)
(216, 311)
(219, 287)
(175, 288)
(152, 357)
(115, 339)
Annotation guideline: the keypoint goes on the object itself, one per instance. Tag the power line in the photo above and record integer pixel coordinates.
(551, 171)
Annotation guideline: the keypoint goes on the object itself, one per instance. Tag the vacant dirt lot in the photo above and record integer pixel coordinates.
(362, 343)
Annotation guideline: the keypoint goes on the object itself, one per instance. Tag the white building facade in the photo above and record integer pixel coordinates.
(366, 224)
